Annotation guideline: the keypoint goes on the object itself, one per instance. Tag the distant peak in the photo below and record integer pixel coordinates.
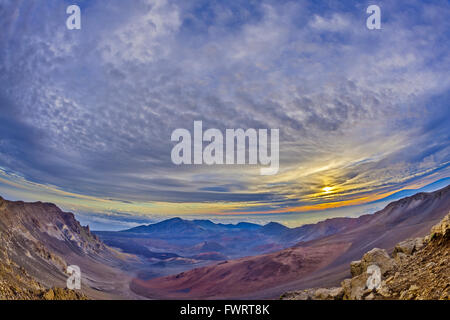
(271, 223)
(174, 219)
(274, 226)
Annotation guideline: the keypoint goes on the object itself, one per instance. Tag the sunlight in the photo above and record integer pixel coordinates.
(327, 189)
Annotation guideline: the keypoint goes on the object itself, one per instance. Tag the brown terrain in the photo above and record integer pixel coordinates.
(245, 275)
(320, 262)
(37, 243)
(419, 269)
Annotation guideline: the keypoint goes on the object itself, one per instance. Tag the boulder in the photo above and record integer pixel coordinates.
(49, 294)
(329, 294)
(380, 258)
(356, 268)
(409, 246)
(354, 288)
(400, 257)
(346, 286)
(442, 228)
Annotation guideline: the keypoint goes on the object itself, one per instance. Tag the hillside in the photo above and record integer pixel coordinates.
(419, 269)
(38, 242)
(317, 262)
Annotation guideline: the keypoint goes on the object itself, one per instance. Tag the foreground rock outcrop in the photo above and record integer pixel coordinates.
(17, 284)
(418, 269)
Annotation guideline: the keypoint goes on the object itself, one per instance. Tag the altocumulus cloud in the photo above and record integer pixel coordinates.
(91, 111)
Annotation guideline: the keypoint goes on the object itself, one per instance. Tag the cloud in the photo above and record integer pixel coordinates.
(336, 22)
(91, 111)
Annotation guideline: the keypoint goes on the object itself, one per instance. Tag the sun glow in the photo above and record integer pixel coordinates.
(327, 189)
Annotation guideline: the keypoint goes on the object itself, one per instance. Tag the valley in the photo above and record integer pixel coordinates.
(196, 259)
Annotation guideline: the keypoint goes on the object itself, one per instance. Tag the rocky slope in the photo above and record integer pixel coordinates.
(418, 269)
(17, 284)
(38, 242)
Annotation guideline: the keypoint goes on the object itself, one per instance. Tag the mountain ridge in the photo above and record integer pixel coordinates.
(195, 223)
(42, 241)
(278, 271)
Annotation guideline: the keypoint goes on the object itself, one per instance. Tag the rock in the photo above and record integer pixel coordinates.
(318, 294)
(303, 296)
(413, 288)
(329, 294)
(384, 291)
(442, 228)
(405, 247)
(354, 288)
(49, 295)
(371, 296)
(380, 258)
(400, 257)
(409, 246)
(337, 293)
(356, 268)
(298, 295)
(346, 286)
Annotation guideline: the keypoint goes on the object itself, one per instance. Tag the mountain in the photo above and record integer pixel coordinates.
(184, 227)
(168, 226)
(419, 269)
(274, 228)
(38, 242)
(315, 261)
(196, 237)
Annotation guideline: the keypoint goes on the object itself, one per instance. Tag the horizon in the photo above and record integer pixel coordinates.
(84, 220)
(266, 223)
(86, 115)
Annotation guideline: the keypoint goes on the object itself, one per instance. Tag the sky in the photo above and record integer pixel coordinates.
(86, 115)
